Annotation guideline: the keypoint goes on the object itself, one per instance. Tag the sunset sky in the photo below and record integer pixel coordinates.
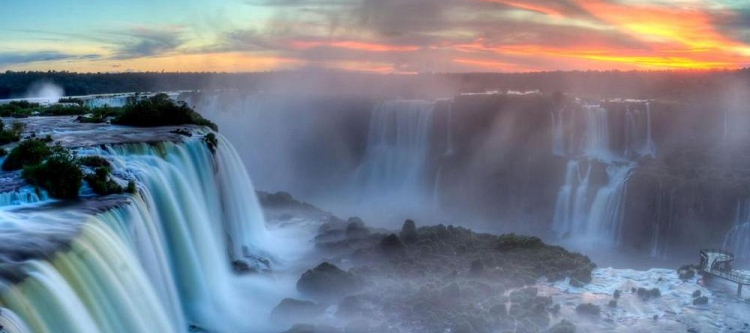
(384, 36)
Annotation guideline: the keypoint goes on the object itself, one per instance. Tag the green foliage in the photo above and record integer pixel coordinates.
(212, 142)
(60, 175)
(159, 110)
(18, 109)
(100, 114)
(512, 241)
(71, 100)
(101, 183)
(94, 161)
(3, 152)
(28, 152)
(63, 110)
(131, 187)
(12, 135)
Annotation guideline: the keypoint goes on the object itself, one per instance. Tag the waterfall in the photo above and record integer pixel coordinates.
(112, 101)
(22, 196)
(607, 209)
(649, 148)
(398, 148)
(159, 262)
(596, 139)
(737, 239)
(558, 133)
(594, 212)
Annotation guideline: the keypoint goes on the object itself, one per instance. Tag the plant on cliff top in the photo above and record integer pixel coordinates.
(159, 110)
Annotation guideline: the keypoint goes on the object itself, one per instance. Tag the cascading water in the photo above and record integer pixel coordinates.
(398, 149)
(155, 263)
(592, 212)
(649, 148)
(737, 239)
(22, 196)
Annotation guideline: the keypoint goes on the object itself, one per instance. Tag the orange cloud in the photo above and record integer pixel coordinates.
(527, 6)
(354, 45)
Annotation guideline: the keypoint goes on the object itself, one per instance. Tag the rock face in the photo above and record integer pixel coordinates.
(409, 232)
(293, 310)
(588, 309)
(327, 281)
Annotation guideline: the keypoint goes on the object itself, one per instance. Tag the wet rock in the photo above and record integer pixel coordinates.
(617, 294)
(524, 295)
(450, 293)
(696, 294)
(355, 228)
(353, 306)
(327, 281)
(562, 327)
(588, 309)
(646, 294)
(409, 232)
(462, 327)
(702, 300)
(686, 272)
(391, 244)
(612, 304)
(477, 268)
(305, 328)
(296, 310)
(575, 283)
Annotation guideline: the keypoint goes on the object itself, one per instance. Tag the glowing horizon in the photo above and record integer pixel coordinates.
(380, 36)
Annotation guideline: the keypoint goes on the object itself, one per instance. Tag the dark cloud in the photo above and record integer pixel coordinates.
(19, 58)
(143, 42)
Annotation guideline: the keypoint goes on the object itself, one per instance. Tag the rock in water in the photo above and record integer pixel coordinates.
(703, 300)
(355, 228)
(562, 327)
(291, 310)
(327, 281)
(392, 244)
(588, 309)
(409, 232)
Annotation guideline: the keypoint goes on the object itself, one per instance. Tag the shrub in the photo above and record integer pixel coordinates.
(63, 110)
(100, 115)
(94, 161)
(513, 241)
(159, 110)
(60, 175)
(71, 100)
(28, 152)
(12, 135)
(211, 141)
(101, 184)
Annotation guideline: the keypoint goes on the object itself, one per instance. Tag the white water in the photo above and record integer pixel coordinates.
(593, 213)
(157, 264)
(398, 149)
(22, 196)
(737, 239)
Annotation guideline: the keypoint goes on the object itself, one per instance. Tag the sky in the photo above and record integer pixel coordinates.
(380, 36)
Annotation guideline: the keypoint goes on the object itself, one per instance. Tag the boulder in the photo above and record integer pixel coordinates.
(392, 244)
(588, 309)
(290, 309)
(327, 281)
(409, 232)
(562, 327)
(702, 300)
(477, 268)
(355, 228)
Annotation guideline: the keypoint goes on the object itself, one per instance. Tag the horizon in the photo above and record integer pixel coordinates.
(385, 37)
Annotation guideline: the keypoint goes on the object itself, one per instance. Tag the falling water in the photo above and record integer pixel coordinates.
(22, 196)
(596, 139)
(737, 239)
(156, 264)
(558, 133)
(608, 205)
(649, 148)
(398, 148)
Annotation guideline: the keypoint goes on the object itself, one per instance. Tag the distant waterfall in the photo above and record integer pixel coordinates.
(398, 148)
(649, 148)
(112, 101)
(158, 263)
(737, 240)
(594, 212)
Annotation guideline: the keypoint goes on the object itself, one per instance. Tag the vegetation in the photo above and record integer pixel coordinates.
(212, 142)
(11, 135)
(28, 152)
(100, 114)
(102, 184)
(71, 100)
(60, 174)
(24, 109)
(94, 161)
(512, 241)
(159, 110)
